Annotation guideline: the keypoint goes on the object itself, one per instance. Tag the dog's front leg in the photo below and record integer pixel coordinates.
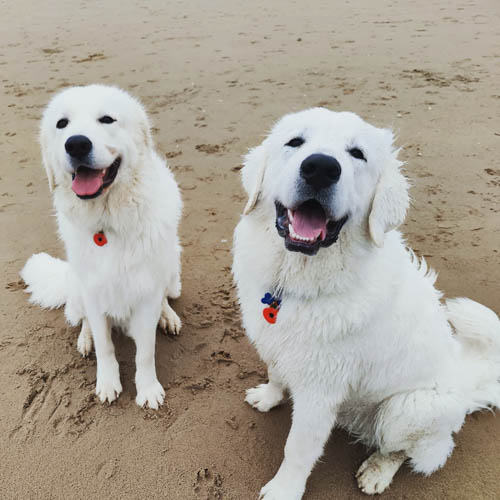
(142, 329)
(108, 386)
(313, 419)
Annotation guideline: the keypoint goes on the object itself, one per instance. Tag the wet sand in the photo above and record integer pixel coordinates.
(214, 77)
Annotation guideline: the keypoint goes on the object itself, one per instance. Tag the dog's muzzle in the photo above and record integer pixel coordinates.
(308, 226)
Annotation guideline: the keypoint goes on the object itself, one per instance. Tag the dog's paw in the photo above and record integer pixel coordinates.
(84, 343)
(277, 489)
(264, 396)
(108, 388)
(151, 396)
(371, 479)
(169, 321)
(377, 471)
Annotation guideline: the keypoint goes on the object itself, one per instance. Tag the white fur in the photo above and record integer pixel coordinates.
(126, 282)
(362, 340)
(47, 279)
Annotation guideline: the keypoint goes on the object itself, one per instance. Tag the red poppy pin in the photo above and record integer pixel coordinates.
(100, 239)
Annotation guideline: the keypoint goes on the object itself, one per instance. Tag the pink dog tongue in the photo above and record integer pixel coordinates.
(87, 181)
(309, 220)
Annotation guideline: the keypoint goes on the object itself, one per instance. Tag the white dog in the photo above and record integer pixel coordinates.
(118, 207)
(346, 318)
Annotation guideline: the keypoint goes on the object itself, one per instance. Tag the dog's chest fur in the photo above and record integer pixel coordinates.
(140, 227)
(331, 332)
(314, 327)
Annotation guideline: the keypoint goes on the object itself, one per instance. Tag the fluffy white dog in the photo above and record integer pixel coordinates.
(346, 318)
(118, 208)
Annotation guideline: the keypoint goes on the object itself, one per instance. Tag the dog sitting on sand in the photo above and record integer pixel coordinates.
(347, 319)
(118, 208)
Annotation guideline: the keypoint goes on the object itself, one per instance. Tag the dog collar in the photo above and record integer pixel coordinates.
(100, 239)
(270, 313)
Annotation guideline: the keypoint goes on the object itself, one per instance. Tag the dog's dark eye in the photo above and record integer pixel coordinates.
(296, 142)
(357, 153)
(106, 119)
(62, 123)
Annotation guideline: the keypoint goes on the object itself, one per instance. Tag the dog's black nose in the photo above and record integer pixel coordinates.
(78, 146)
(320, 171)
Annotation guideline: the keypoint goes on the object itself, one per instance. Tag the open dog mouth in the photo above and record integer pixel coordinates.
(307, 227)
(89, 182)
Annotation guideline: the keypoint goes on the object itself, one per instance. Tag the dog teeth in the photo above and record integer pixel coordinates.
(295, 236)
(290, 215)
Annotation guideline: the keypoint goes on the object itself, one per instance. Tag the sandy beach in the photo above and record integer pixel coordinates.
(214, 77)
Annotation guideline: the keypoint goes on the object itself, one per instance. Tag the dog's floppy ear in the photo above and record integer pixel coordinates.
(253, 175)
(391, 200)
(46, 163)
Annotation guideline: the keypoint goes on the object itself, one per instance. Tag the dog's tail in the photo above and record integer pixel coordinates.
(478, 330)
(47, 279)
